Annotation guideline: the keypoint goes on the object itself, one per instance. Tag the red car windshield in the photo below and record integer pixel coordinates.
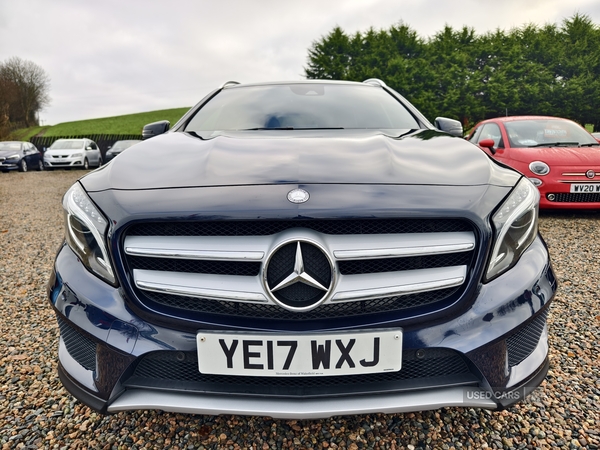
(547, 133)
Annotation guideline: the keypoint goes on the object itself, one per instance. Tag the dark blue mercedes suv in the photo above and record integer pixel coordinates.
(302, 250)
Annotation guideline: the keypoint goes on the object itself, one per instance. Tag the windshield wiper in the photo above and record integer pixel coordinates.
(267, 128)
(556, 144)
(590, 145)
(291, 128)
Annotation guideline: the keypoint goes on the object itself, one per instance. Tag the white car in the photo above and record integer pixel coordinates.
(78, 153)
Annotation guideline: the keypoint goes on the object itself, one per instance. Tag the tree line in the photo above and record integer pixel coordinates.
(24, 92)
(548, 70)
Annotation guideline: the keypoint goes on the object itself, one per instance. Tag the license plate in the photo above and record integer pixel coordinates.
(281, 355)
(585, 188)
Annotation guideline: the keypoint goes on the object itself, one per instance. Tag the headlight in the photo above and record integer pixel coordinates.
(76, 155)
(13, 157)
(85, 230)
(515, 226)
(539, 168)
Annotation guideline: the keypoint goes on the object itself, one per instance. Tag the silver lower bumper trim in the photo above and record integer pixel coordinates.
(279, 408)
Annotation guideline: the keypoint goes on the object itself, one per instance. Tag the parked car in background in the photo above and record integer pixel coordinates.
(118, 147)
(596, 135)
(21, 156)
(557, 155)
(302, 250)
(73, 153)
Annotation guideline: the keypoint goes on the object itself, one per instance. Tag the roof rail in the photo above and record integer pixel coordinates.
(375, 82)
(228, 83)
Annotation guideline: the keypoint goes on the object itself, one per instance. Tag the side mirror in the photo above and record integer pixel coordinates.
(109, 147)
(155, 128)
(487, 143)
(450, 126)
(89, 147)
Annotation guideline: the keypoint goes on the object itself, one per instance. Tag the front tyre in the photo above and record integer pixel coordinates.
(40, 166)
(23, 165)
(86, 164)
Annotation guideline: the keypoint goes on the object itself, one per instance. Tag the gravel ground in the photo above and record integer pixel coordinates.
(36, 412)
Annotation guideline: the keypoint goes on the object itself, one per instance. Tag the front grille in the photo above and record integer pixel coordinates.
(327, 311)
(182, 249)
(575, 198)
(179, 370)
(522, 344)
(80, 347)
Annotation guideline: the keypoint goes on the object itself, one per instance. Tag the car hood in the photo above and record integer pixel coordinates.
(59, 151)
(561, 156)
(5, 153)
(179, 159)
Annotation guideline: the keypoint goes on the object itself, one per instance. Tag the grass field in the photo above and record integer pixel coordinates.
(25, 133)
(127, 124)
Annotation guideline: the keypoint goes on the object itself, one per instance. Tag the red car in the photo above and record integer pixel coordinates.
(560, 157)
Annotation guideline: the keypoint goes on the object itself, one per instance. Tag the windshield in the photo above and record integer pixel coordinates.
(74, 144)
(122, 145)
(10, 146)
(302, 106)
(547, 132)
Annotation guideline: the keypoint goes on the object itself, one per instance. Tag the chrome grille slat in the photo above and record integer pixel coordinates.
(400, 245)
(217, 287)
(396, 284)
(349, 288)
(231, 248)
(251, 248)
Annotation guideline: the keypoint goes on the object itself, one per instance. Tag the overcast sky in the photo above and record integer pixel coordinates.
(112, 57)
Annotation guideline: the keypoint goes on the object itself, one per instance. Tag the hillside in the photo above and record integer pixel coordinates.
(127, 124)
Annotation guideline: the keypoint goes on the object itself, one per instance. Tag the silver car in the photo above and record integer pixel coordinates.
(79, 153)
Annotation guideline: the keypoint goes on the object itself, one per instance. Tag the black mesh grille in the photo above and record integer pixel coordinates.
(180, 370)
(522, 344)
(268, 227)
(576, 198)
(195, 266)
(272, 312)
(80, 347)
(399, 264)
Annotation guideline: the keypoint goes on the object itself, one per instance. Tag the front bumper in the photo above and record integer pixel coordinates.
(110, 156)
(64, 162)
(9, 165)
(557, 194)
(484, 336)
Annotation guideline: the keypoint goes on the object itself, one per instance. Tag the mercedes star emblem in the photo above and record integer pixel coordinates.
(298, 275)
(298, 196)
